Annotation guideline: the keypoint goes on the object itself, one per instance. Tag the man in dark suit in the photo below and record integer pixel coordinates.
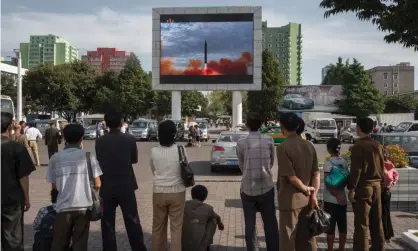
(116, 152)
(52, 138)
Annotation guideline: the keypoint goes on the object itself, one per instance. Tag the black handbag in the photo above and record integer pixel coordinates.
(186, 172)
(319, 222)
(96, 209)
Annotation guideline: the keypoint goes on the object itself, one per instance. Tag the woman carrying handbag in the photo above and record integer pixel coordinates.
(168, 188)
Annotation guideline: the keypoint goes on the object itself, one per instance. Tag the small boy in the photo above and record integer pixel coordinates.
(199, 222)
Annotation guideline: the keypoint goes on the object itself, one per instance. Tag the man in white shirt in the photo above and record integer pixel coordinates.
(33, 134)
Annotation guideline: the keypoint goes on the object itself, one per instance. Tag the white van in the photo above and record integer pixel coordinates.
(321, 129)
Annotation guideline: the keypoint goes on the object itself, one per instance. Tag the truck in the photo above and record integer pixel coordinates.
(319, 126)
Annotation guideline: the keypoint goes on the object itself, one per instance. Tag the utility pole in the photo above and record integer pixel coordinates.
(19, 85)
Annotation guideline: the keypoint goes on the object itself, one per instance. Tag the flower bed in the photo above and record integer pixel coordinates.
(397, 155)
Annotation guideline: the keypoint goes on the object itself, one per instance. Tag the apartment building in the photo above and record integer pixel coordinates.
(104, 59)
(393, 79)
(47, 49)
(285, 43)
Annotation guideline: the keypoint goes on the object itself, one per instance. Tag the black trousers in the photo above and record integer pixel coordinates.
(12, 227)
(52, 150)
(126, 199)
(265, 205)
(386, 219)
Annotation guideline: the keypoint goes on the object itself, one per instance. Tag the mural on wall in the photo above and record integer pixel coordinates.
(316, 98)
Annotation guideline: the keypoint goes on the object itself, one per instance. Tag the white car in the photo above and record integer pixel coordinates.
(223, 154)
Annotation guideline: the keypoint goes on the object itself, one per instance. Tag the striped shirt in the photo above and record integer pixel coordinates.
(256, 157)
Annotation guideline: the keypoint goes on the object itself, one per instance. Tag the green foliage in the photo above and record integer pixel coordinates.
(335, 73)
(266, 101)
(397, 18)
(220, 103)
(163, 102)
(8, 87)
(361, 98)
(397, 104)
(190, 102)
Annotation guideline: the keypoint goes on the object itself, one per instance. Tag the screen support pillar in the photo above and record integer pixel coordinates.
(176, 105)
(236, 108)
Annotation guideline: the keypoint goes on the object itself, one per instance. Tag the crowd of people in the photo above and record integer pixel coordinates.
(75, 175)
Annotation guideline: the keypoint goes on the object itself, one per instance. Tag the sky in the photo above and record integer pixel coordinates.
(127, 25)
(184, 41)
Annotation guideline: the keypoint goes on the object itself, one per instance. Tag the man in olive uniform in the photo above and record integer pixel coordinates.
(52, 139)
(366, 175)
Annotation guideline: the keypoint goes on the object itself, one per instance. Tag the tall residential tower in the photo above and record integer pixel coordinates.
(285, 43)
(47, 49)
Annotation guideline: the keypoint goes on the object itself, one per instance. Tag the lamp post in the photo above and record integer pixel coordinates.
(19, 84)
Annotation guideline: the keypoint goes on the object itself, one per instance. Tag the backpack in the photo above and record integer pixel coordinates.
(43, 238)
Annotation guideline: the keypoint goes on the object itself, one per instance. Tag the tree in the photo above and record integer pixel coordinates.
(220, 103)
(8, 87)
(190, 102)
(397, 18)
(397, 104)
(84, 81)
(266, 101)
(335, 73)
(361, 97)
(136, 95)
(107, 94)
(163, 102)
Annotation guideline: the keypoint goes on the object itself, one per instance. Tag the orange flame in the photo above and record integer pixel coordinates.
(225, 66)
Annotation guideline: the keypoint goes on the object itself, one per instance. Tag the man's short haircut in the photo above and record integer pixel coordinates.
(290, 121)
(54, 195)
(22, 122)
(73, 133)
(301, 127)
(113, 119)
(365, 124)
(254, 121)
(6, 121)
(199, 192)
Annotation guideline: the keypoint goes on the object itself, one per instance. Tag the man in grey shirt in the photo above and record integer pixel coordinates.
(256, 157)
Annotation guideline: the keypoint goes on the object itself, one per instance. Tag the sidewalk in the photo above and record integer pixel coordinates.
(224, 196)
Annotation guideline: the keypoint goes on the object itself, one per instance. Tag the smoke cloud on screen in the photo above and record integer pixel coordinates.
(224, 66)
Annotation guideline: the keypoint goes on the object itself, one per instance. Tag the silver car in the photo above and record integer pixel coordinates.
(90, 132)
(223, 154)
(204, 132)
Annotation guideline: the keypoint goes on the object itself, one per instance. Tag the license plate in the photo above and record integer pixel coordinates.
(232, 162)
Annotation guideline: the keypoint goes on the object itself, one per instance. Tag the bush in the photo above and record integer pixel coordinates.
(397, 155)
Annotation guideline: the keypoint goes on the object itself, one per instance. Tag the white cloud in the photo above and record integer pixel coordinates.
(323, 39)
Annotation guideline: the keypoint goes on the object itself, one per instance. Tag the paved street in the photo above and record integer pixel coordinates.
(224, 196)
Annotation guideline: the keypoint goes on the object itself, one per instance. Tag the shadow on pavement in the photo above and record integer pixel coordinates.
(95, 239)
(234, 203)
(203, 168)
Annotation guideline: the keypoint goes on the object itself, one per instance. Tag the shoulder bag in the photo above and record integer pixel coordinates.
(96, 210)
(186, 172)
(338, 177)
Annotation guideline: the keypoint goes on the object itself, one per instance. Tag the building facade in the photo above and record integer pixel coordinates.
(285, 43)
(47, 49)
(325, 71)
(104, 59)
(393, 80)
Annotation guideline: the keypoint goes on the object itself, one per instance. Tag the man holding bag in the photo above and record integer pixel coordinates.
(298, 183)
(68, 172)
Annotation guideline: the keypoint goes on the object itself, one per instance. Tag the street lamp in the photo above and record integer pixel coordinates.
(19, 84)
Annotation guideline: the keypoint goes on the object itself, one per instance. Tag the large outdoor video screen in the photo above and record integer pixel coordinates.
(206, 48)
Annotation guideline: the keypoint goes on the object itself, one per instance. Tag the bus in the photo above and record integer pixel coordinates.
(7, 105)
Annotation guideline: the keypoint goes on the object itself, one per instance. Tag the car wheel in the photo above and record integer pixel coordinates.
(291, 105)
(213, 169)
(308, 137)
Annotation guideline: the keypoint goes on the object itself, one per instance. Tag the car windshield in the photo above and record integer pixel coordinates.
(326, 124)
(203, 126)
(140, 124)
(296, 96)
(231, 137)
(402, 127)
(7, 106)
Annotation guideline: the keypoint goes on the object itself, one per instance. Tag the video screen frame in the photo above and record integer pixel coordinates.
(204, 14)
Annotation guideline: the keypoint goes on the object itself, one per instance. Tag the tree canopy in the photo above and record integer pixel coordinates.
(266, 101)
(334, 74)
(361, 97)
(398, 104)
(397, 18)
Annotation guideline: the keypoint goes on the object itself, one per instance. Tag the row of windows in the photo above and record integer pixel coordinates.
(385, 75)
(285, 34)
(395, 84)
(394, 92)
(279, 45)
(277, 40)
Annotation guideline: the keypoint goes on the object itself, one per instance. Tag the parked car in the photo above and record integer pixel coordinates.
(144, 129)
(349, 134)
(181, 134)
(407, 140)
(90, 132)
(43, 124)
(409, 126)
(223, 153)
(297, 102)
(275, 132)
(204, 132)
